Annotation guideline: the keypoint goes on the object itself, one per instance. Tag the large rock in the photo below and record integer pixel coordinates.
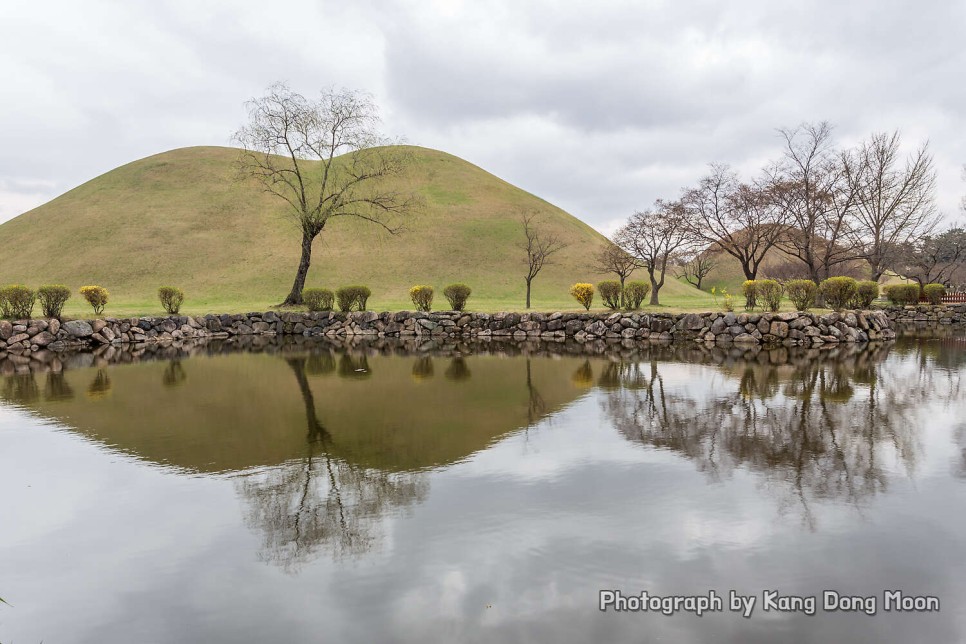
(78, 329)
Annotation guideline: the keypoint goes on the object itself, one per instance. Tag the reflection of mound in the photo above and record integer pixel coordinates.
(245, 410)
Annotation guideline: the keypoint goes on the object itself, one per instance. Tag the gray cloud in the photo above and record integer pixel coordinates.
(598, 109)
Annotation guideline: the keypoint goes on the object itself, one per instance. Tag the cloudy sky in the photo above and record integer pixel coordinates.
(597, 107)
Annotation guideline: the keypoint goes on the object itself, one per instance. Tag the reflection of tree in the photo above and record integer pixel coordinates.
(174, 374)
(320, 501)
(100, 386)
(457, 370)
(814, 428)
(423, 368)
(57, 387)
(536, 405)
(21, 388)
(583, 376)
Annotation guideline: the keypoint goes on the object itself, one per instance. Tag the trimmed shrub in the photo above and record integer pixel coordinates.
(422, 297)
(635, 293)
(865, 293)
(171, 299)
(729, 301)
(96, 296)
(902, 294)
(610, 292)
(362, 296)
(17, 301)
(583, 293)
(318, 299)
(345, 297)
(52, 299)
(750, 290)
(456, 295)
(769, 293)
(934, 293)
(802, 293)
(838, 292)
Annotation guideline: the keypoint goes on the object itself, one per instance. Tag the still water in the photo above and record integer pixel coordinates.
(309, 492)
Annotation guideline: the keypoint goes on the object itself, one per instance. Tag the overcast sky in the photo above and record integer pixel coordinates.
(597, 107)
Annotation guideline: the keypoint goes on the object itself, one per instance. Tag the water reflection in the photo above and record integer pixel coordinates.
(813, 428)
(328, 441)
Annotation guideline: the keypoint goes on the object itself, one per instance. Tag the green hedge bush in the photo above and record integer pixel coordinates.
(318, 299)
(17, 301)
(750, 290)
(902, 294)
(838, 292)
(934, 293)
(96, 296)
(457, 295)
(802, 293)
(866, 292)
(583, 293)
(52, 299)
(610, 293)
(171, 299)
(769, 293)
(352, 297)
(635, 293)
(422, 297)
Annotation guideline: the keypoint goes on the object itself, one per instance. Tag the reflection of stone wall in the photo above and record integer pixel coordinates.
(946, 314)
(773, 329)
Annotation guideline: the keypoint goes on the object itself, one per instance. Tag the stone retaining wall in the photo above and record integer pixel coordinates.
(768, 329)
(924, 313)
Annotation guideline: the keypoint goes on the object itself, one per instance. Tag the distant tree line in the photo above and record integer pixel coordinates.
(830, 210)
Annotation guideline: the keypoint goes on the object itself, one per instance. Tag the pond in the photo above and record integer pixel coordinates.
(298, 491)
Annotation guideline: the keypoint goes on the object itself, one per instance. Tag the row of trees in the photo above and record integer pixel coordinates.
(828, 210)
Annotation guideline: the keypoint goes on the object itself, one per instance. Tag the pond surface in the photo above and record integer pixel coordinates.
(311, 492)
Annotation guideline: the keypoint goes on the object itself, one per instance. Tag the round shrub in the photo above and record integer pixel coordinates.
(610, 292)
(318, 299)
(350, 297)
(635, 293)
(769, 293)
(17, 301)
(902, 294)
(583, 293)
(865, 293)
(456, 295)
(838, 292)
(171, 299)
(96, 296)
(52, 299)
(422, 297)
(934, 293)
(802, 293)
(362, 294)
(750, 290)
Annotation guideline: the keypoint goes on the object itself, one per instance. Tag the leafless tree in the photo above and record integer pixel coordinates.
(894, 201)
(936, 258)
(324, 158)
(654, 236)
(614, 259)
(809, 185)
(695, 267)
(743, 220)
(539, 246)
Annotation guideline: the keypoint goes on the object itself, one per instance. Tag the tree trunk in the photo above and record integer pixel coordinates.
(623, 300)
(655, 287)
(528, 293)
(295, 296)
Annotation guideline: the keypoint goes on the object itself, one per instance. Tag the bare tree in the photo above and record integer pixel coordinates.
(324, 159)
(935, 258)
(614, 259)
(743, 220)
(809, 185)
(694, 268)
(895, 202)
(540, 246)
(654, 236)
